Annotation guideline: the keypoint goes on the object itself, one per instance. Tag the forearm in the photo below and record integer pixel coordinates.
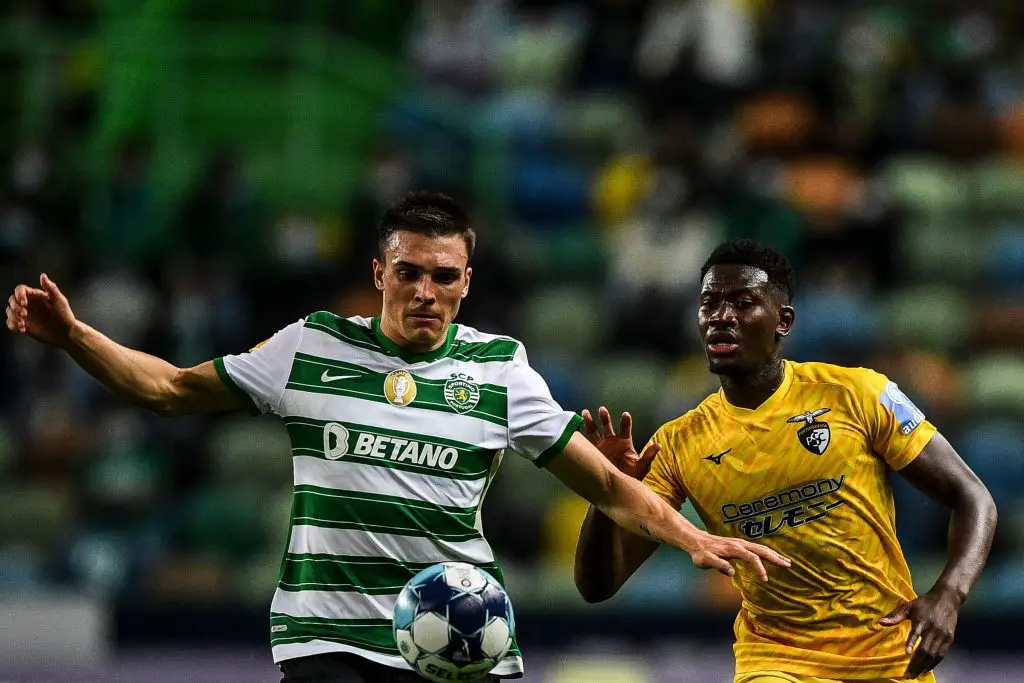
(134, 376)
(636, 509)
(971, 528)
(599, 571)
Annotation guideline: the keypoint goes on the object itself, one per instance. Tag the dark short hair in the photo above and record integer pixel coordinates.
(747, 252)
(428, 213)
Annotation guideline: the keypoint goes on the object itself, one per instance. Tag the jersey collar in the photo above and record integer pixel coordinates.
(393, 349)
(753, 414)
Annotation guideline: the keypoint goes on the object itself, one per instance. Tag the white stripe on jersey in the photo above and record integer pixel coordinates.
(323, 541)
(334, 604)
(350, 476)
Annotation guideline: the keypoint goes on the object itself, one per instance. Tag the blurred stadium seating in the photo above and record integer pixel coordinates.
(197, 175)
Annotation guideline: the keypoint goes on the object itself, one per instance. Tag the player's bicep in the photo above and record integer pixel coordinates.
(201, 390)
(940, 473)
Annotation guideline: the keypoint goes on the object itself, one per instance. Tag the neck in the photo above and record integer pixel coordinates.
(393, 331)
(752, 389)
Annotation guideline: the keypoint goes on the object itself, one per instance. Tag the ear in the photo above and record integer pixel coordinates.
(787, 316)
(378, 274)
(465, 289)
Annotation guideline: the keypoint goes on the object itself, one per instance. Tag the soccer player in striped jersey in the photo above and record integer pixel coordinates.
(798, 456)
(397, 425)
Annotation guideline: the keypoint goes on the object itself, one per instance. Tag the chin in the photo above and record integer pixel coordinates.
(422, 336)
(722, 366)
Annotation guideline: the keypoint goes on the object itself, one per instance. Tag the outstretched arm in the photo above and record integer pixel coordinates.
(941, 474)
(144, 380)
(629, 504)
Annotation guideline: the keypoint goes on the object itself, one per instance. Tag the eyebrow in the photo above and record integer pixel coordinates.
(442, 269)
(730, 292)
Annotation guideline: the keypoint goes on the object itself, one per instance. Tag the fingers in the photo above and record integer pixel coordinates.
(712, 561)
(606, 421)
(915, 635)
(753, 560)
(766, 553)
(647, 457)
(896, 616)
(923, 661)
(51, 288)
(626, 426)
(590, 426)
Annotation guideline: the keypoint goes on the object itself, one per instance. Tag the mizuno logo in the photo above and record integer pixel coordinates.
(325, 378)
(717, 459)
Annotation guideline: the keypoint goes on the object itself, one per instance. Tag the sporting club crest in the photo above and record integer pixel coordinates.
(461, 393)
(399, 388)
(815, 434)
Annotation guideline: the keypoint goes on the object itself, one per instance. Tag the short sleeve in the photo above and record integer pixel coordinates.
(897, 429)
(663, 478)
(260, 375)
(538, 428)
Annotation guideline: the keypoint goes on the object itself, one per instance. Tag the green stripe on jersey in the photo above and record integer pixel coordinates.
(368, 575)
(369, 634)
(484, 352)
(315, 375)
(343, 330)
(335, 509)
(390, 448)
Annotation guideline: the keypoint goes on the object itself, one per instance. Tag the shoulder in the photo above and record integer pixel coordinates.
(333, 321)
(851, 380)
(354, 330)
(476, 346)
(860, 388)
(692, 429)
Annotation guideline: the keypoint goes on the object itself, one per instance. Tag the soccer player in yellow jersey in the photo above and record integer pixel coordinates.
(797, 456)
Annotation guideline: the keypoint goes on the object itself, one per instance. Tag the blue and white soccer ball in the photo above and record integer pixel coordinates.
(453, 622)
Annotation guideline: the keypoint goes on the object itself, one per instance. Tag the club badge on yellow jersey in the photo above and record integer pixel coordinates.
(399, 388)
(815, 435)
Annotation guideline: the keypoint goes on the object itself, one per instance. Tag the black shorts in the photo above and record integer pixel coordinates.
(340, 667)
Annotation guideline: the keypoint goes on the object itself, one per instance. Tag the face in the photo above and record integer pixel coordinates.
(741, 319)
(424, 280)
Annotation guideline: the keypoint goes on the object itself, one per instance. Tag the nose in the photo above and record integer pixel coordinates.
(723, 315)
(425, 290)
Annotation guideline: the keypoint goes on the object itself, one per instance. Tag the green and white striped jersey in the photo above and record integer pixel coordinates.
(392, 454)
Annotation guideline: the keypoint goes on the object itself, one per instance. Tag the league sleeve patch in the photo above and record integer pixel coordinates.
(258, 345)
(903, 409)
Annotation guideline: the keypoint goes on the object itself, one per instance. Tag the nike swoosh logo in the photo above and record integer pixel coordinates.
(334, 378)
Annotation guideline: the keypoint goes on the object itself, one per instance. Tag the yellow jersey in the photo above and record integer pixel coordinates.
(807, 474)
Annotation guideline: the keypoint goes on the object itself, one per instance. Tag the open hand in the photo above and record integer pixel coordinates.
(43, 314)
(934, 616)
(618, 448)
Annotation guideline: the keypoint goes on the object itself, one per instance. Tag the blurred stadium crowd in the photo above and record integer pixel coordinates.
(605, 146)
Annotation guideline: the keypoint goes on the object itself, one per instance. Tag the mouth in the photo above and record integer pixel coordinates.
(423, 317)
(722, 343)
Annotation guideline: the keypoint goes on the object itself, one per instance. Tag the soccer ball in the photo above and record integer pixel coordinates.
(453, 622)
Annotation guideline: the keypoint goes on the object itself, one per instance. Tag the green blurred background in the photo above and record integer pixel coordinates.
(197, 175)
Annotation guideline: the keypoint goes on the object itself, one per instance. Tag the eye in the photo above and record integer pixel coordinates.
(744, 303)
(446, 278)
(406, 274)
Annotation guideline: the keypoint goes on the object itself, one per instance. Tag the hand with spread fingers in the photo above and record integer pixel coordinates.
(618, 448)
(933, 617)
